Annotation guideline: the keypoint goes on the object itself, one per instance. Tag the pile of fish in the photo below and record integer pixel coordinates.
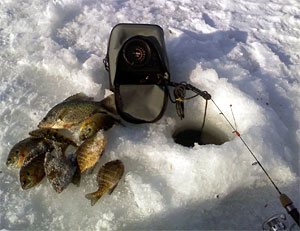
(43, 153)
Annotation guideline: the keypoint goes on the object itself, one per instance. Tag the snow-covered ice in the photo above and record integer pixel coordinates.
(245, 53)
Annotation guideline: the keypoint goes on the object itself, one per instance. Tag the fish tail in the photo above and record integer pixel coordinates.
(94, 197)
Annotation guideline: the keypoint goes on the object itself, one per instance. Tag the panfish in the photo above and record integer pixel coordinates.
(59, 170)
(52, 134)
(73, 111)
(29, 146)
(90, 151)
(108, 178)
(96, 122)
(32, 172)
(40, 149)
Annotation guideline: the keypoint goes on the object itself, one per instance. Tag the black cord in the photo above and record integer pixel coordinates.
(204, 117)
(179, 94)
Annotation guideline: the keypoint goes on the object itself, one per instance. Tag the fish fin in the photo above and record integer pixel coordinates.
(94, 197)
(79, 96)
(112, 189)
(109, 104)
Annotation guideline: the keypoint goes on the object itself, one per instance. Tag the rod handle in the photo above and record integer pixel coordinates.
(287, 203)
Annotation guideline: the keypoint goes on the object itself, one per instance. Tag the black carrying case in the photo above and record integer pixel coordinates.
(138, 70)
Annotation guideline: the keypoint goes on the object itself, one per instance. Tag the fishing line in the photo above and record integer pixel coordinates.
(239, 135)
(285, 201)
(233, 117)
(179, 94)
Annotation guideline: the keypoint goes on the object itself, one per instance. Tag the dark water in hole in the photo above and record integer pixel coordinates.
(189, 137)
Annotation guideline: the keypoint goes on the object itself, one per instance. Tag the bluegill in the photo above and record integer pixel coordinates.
(52, 134)
(90, 151)
(108, 178)
(96, 122)
(32, 172)
(29, 146)
(59, 170)
(73, 111)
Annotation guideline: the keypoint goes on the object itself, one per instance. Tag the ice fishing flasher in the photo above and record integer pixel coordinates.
(138, 66)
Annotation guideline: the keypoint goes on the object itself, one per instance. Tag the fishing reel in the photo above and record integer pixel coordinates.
(276, 223)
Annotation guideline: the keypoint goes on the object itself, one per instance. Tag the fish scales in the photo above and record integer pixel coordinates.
(96, 122)
(52, 134)
(41, 148)
(22, 149)
(59, 170)
(108, 178)
(72, 112)
(90, 151)
(67, 114)
(32, 172)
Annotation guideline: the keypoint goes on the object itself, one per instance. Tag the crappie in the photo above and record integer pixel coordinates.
(93, 124)
(73, 111)
(32, 172)
(108, 178)
(90, 151)
(22, 149)
(59, 170)
(52, 134)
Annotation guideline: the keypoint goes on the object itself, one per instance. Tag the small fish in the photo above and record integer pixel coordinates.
(90, 151)
(96, 122)
(32, 172)
(108, 178)
(22, 149)
(52, 134)
(40, 149)
(59, 170)
(71, 112)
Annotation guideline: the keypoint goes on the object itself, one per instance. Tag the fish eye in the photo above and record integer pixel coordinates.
(24, 182)
(17, 152)
(89, 129)
(28, 174)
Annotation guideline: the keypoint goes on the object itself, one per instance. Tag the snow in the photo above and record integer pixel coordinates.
(244, 53)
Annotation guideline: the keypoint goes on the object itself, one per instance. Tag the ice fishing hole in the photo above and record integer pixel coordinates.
(188, 136)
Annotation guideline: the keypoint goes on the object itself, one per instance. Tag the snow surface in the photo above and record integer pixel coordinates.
(245, 53)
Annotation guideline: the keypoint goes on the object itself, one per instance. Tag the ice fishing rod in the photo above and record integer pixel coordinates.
(286, 202)
(179, 93)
